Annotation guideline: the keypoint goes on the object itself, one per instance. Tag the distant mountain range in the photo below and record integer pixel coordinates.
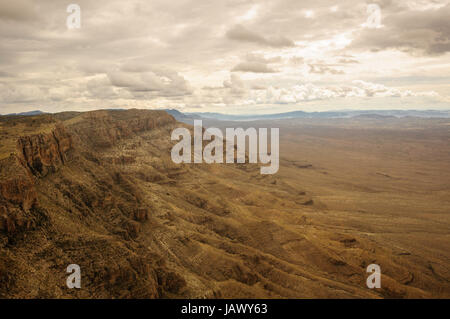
(290, 115)
(301, 114)
(30, 113)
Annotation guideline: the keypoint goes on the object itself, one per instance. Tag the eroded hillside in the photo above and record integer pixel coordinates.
(99, 189)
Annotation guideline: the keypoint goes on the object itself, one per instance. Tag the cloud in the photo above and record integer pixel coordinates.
(138, 82)
(242, 34)
(321, 68)
(367, 89)
(347, 61)
(127, 53)
(310, 92)
(424, 32)
(19, 94)
(163, 82)
(6, 74)
(19, 10)
(255, 67)
(256, 63)
(236, 91)
(100, 87)
(236, 86)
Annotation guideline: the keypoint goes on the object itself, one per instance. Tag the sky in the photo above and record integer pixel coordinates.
(228, 56)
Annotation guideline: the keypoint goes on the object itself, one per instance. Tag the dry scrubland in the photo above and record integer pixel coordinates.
(99, 189)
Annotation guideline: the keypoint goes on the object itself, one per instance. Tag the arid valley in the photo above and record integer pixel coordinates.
(99, 189)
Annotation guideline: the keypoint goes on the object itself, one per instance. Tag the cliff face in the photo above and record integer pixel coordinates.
(41, 154)
(47, 201)
(36, 156)
(17, 198)
(105, 129)
(18, 190)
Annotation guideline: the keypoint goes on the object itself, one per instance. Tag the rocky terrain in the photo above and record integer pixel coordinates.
(99, 189)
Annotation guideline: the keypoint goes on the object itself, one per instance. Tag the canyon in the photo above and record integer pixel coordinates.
(99, 189)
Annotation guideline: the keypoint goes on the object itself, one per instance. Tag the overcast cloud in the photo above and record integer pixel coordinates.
(224, 56)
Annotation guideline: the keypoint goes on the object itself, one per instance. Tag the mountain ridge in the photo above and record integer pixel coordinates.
(99, 189)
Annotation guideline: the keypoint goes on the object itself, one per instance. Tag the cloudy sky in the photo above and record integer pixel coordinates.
(229, 56)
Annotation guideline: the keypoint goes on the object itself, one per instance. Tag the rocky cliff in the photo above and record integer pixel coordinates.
(105, 129)
(36, 156)
(42, 166)
(41, 154)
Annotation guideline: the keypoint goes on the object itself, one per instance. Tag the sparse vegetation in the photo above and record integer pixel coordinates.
(141, 226)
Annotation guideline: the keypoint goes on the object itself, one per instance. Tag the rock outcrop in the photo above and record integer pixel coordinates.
(36, 156)
(18, 197)
(42, 153)
(103, 129)
(63, 193)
